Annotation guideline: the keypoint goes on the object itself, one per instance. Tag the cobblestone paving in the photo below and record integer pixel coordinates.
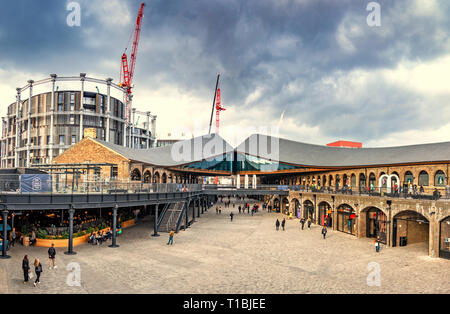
(244, 256)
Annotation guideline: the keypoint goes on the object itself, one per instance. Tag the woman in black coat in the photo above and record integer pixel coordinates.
(26, 269)
(37, 270)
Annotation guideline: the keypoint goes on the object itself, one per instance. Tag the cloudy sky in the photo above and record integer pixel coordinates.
(311, 70)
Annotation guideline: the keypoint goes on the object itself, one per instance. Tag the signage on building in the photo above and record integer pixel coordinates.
(30, 183)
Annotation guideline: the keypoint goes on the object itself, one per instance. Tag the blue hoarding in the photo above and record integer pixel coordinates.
(35, 183)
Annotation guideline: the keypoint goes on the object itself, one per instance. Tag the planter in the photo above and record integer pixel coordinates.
(127, 223)
(64, 242)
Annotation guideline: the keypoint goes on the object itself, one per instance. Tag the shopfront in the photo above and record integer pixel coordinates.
(308, 210)
(444, 238)
(346, 219)
(325, 214)
(376, 224)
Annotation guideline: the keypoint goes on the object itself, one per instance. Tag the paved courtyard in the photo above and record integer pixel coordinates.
(244, 256)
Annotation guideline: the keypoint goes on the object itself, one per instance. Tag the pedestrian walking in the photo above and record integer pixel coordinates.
(277, 224)
(37, 270)
(25, 268)
(309, 223)
(377, 244)
(239, 208)
(283, 223)
(52, 257)
(171, 234)
(324, 231)
(217, 210)
(13, 236)
(220, 210)
(231, 216)
(302, 221)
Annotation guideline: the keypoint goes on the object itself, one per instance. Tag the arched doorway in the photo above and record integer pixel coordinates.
(164, 178)
(325, 214)
(374, 224)
(147, 177)
(285, 206)
(409, 227)
(444, 238)
(156, 177)
(296, 206)
(308, 210)
(346, 219)
(135, 175)
(276, 205)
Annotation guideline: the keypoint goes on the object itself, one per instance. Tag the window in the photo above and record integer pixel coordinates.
(409, 177)
(72, 107)
(423, 178)
(48, 139)
(114, 172)
(74, 139)
(60, 107)
(61, 140)
(72, 98)
(72, 119)
(60, 98)
(439, 178)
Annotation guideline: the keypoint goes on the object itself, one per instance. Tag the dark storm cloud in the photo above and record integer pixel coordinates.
(284, 48)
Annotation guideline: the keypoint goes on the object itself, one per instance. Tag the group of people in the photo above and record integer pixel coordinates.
(99, 237)
(27, 273)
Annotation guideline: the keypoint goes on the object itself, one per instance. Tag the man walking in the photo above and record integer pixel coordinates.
(231, 216)
(377, 244)
(283, 223)
(52, 256)
(324, 231)
(277, 224)
(171, 237)
(309, 223)
(302, 221)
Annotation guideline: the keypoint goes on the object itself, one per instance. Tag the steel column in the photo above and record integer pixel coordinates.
(5, 233)
(114, 236)
(70, 248)
(155, 233)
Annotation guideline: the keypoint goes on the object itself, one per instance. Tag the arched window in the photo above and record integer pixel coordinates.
(362, 180)
(353, 180)
(135, 175)
(372, 180)
(439, 178)
(423, 178)
(409, 177)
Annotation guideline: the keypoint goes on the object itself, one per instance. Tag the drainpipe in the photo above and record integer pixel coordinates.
(389, 202)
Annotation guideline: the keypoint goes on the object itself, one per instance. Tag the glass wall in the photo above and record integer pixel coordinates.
(346, 219)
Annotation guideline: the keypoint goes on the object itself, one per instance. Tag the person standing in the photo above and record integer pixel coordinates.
(283, 223)
(309, 223)
(377, 245)
(302, 221)
(217, 210)
(25, 268)
(324, 231)
(277, 224)
(171, 234)
(239, 208)
(33, 238)
(52, 256)
(231, 216)
(37, 270)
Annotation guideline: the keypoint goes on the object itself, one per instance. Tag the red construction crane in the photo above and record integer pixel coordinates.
(126, 74)
(219, 108)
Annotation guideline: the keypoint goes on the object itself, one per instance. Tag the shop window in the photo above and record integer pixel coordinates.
(61, 140)
(423, 178)
(439, 178)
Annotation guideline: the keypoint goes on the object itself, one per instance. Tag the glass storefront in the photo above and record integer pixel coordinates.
(325, 214)
(346, 219)
(444, 239)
